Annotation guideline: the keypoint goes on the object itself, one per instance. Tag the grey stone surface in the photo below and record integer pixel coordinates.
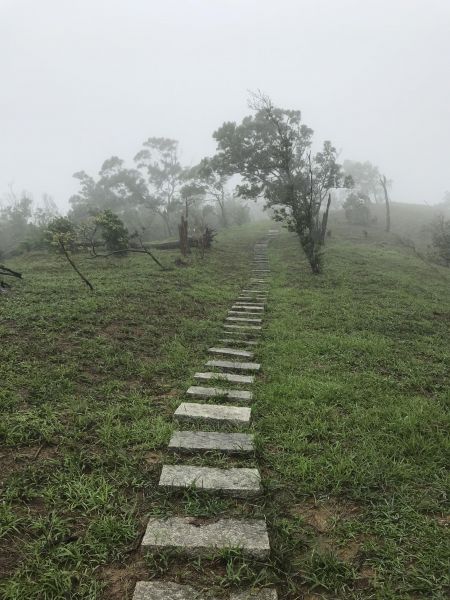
(167, 590)
(244, 319)
(232, 352)
(239, 313)
(259, 299)
(255, 595)
(239, 483)
(195, 538)
(231, 377)
(234, 365)
(193, 441)
(213, 413)
(241, 341)
(197, 391)
(244, 306)
(243, 327)
(257, 291)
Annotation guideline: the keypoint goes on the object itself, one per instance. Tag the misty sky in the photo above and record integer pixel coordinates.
(82, 80)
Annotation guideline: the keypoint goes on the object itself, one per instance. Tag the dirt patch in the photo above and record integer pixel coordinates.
(323, 516)
(120, 580)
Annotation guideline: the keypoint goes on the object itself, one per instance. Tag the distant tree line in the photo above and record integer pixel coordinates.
(267, 156)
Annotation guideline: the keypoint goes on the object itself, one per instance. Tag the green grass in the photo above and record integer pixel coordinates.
(89, 385)
(353, 421)
(350, 416)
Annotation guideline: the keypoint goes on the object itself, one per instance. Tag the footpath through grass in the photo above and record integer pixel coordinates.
(89, 384)
(354, 423)
(350, 416)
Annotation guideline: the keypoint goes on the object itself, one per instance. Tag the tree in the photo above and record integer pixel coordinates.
(366, 178)
(213, 182)
(272, 152)
(441, 238)
(384, 184)
(159, 163)
(356, 207)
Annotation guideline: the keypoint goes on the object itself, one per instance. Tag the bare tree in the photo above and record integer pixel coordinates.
(384, 184)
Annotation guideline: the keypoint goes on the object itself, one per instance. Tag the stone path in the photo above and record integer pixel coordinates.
(195, 537)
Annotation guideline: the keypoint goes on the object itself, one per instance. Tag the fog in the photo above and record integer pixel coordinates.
(83, 80)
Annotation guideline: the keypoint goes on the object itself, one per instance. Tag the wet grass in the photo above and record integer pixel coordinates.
(350, 419)
(89, 385)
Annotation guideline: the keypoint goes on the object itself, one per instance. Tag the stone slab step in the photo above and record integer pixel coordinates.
(244, 320)
(196, 391)
(249, 313)
(232, 352)
(196, 441)
(166, 590)
(259, 299)
(238, 341)
(255, 291)
(231, 377)
(197, 538)
(234, 365)
(252, 307)
(243, 327)
(236, 482)
(213, 413)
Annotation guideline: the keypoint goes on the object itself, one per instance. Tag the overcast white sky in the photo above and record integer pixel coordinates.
(82, 80)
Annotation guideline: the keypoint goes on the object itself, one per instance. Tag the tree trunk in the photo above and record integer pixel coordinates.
(383, 182)
(325, 221)
(74, 266)
(183, 233)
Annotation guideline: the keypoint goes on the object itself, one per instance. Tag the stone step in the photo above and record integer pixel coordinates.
(233, 365)
(213, 413)
(259, 292)
(196, 441)
(243, 306)
(238, 341)
(236, 482)
(196, 391)
(238, 313)
(197, 538)
(231, 377)
(166, 590)
(261, 300)
(243, 320)
(232, 352)
(243, 327)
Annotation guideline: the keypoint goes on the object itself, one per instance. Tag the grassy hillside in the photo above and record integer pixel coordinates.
(350, 417)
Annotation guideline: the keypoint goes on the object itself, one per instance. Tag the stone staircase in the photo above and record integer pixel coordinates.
(232, 364)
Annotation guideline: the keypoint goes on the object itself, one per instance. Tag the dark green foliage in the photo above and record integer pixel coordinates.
(112, 230)
(357, 208)
(272, 152)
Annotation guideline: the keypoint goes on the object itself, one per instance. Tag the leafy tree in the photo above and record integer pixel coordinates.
(112, 230)
(159, 163)
(441, 238)
(357, 209)
(212, 181)
(272, 152)
(366, 178)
